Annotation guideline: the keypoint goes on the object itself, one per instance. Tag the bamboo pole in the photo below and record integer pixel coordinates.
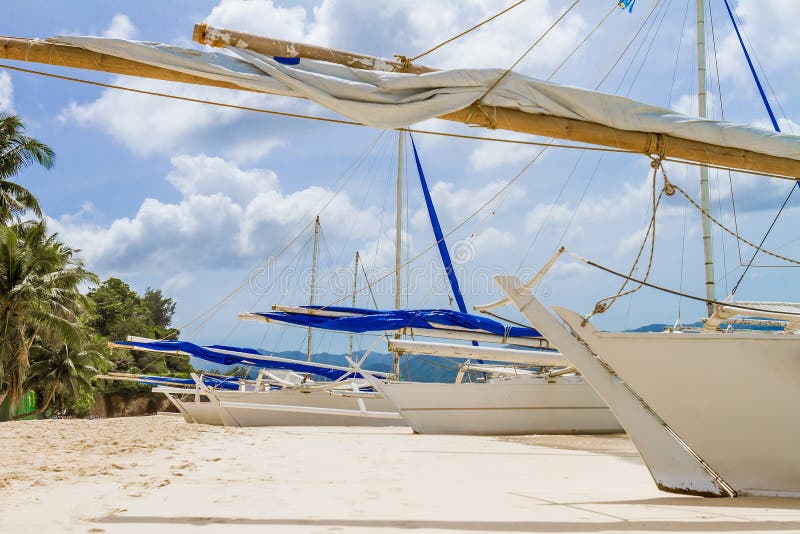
(64, 55)
(519, 121)
(219, 37)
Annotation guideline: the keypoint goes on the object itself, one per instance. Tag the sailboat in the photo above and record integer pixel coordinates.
(711, 413)
(550, 399)
(283, 393)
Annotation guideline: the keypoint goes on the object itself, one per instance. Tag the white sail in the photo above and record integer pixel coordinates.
(391, 99)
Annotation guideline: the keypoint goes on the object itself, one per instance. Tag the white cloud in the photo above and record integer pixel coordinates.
(453, 204)
(260, 17)
(120, 27)
(152, 125)
(6, 93)
(252, 150)
(227, 216)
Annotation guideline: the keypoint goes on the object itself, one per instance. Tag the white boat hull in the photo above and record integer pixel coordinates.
(502, 408)
(289, 408)
(732, 398)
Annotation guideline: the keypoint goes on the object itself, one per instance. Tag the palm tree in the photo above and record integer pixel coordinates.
(63, 373)
(18, 151)
(39, 299)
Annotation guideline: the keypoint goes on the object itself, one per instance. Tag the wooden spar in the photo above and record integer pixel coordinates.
(219, 37)
(519, 121)
(64, 55)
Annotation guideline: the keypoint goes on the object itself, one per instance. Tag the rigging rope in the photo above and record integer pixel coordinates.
(630, 43)
(574, 50)
(468, 30)
(605, 303)
(555, 23)
(667, 290)
(731, 232)
(307, 117)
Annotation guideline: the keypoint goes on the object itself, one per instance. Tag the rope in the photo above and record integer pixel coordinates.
(430, 247)
(625, 50)
(604, 304)
(468, 30)
(303, 116)
(667, 290)
(520, 58)
(212, 310)
(574, 50)
(734, 234)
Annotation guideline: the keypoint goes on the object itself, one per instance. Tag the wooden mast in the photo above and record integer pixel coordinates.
(705, 194)
(398, 244)
(313, 298)
(53, 53)
(353, 301)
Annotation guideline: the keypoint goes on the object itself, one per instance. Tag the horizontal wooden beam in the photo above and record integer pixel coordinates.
(64, 55)
(519, 121)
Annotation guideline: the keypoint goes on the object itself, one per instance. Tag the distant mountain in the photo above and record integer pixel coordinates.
(417, 368)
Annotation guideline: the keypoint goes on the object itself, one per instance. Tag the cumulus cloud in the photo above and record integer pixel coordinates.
(227, 217)
(260, 17)
(6, 93)
(150, 125)
(120, 27)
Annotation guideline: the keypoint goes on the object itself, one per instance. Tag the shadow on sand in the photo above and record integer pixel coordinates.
(478, 526)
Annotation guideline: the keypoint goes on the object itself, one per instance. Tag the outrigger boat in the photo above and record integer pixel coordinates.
(711, 413)
(283, 394)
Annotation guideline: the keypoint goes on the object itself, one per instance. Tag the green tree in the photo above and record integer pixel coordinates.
(18, 151)
(117, 312)
(64, 374)
(39, 299)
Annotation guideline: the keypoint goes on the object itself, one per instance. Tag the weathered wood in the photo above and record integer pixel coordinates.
(65, 55)
(519, 121)
(219, 37)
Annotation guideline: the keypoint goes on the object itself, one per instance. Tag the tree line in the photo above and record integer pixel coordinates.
(54, 336)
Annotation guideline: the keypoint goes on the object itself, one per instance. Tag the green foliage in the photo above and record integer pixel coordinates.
(18, 151)
(53, 339)
(117, 311)
(62, 376)
(39, 299)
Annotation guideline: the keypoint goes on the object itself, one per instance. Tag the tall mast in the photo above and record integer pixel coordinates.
(312, 299)
(353, 302)
(398, 243)
(708, 244)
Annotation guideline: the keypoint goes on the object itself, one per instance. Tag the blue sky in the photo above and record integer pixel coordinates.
(193, 198)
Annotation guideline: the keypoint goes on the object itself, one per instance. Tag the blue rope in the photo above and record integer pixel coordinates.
(439, 235)
(777, 129)
(752, 69)
(623, 4)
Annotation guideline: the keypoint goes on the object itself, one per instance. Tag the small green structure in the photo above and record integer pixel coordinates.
(27, 404)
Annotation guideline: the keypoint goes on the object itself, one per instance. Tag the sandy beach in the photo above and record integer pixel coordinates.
(160, 474)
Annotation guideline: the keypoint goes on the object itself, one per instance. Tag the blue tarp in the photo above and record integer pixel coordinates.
(205, 353)
(383, 320)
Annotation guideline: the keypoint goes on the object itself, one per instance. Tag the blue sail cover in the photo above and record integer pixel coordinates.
(209, 354)
(382, 320)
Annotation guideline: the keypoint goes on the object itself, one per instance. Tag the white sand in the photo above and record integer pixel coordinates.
(158, 474)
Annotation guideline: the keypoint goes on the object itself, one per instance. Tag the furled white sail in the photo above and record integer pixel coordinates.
(392, 99)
